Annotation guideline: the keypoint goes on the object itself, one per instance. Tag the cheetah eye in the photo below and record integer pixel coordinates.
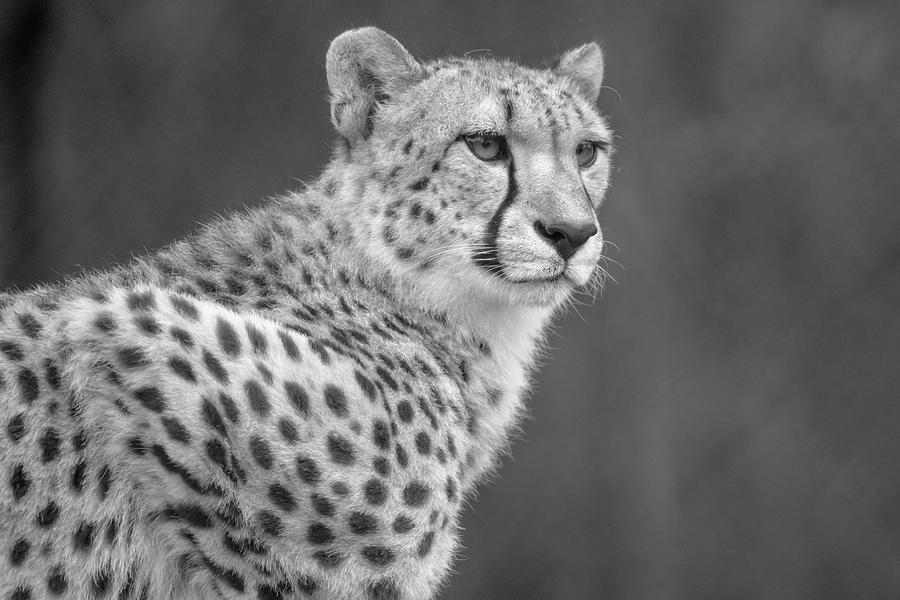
(586, 153)
(486, 146)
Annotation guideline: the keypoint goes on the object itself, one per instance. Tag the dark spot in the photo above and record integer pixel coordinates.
(323, 505)
(233, 579)
(51, 374)
(386, 378)
(403, 524)
(265, 591)
(104, 481)
(29, 325)
(112, 529)
(79, 440)
(243, 546)
(340, 488)
(185, 308)
(366, 386)
(290, 347)
(336, 400)
(147, 324)
(257, 398)
(212, 417)
(423, 406)
(151, 398)
(186, 476)
(329, 558)
(19, 482)
(182, 337)
(288, 430)
(423, 443)
(77, 479)
(182, 368)
(261, 452)
(404, 253)
(19, 552)
(29, 385)
(307, 584)
(298, 397)
(270, 523)
(56, 580)
(385, 589)
(100, 582)
(420, 184)
(363, 523)
(378, 555)
(137, 446)
(16, 428)
(132, 357)
(375, 492)
(265, 373)
(230, 406)
(190, 514)
(407, 146)
(235, 286)
(451, 489)
(140, 301)
(308, 470)
(12, 350)
(381, 435)
(425, 544)
(405, 411)
(340, 449)
(415, 493)
(381, 465)
(105, 322)
(214, 366)
(83, 536)
(389, 233)
(319, 533)
(402, 456)
(21, 592)
(320, 350)
(228, 338)
(282, 497)
(176, 430)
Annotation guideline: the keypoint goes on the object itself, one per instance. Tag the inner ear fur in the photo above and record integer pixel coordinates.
(584, 66)
(365, 67)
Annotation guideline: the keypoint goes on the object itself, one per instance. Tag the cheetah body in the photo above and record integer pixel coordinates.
(294, 402)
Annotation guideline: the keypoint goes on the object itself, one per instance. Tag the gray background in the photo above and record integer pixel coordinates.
(725, 422)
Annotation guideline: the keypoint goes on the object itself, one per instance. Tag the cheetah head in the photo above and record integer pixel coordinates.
(480, 176)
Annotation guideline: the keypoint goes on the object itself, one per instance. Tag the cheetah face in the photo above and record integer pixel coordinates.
(477, 168)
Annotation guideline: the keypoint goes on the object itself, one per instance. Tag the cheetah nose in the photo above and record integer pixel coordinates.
(566, 237)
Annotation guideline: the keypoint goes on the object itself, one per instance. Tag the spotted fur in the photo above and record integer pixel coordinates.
(295, 402)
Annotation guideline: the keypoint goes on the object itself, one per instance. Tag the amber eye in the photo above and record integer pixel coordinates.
(586, 153)
(486, 146)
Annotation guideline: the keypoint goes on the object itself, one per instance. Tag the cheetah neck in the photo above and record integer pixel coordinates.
(499, 377)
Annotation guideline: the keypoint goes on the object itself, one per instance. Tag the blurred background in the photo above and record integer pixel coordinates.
(724, 422)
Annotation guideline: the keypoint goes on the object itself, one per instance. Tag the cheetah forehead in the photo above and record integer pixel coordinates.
(472, 94)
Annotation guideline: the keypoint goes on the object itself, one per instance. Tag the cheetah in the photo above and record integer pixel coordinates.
(296, 401)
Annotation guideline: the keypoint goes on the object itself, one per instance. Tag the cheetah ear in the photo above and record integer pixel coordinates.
(583, 65)
(365, 67)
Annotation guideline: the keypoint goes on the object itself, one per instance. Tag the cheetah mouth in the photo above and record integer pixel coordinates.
(542, 280)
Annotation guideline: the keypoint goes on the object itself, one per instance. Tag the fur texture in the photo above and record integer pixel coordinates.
(295, 402)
